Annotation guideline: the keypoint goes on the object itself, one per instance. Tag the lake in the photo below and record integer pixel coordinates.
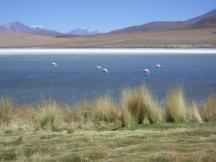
(30, 79)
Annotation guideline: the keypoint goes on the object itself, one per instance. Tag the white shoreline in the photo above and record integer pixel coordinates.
(13, 51)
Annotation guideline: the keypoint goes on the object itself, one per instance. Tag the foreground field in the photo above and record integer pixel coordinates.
(165, 142)
(139, 128)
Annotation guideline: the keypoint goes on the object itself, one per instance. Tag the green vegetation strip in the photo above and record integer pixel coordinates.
(167, 142)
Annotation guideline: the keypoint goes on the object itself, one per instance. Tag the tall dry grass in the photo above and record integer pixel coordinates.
(193, 114)
(176, 106)
(139, 107)
(6, 110)
(132, 111)
(105, 110)
(51, 116)
(27, 113)
(86, 114)
(208, 108)
(150, 106)
(17, 119)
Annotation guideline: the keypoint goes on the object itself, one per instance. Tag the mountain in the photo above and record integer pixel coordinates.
(38, 30)
(154, 27)
(15, 27)
(206, 22)
(204, 16)
(43, 31)
(187, 38)
(200, 21)
(83, 32)
(22, 28)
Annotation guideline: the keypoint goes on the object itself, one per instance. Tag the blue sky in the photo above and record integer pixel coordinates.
(104, 15)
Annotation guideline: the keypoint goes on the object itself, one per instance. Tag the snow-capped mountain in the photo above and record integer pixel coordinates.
(22, 28)
(83, 32)
(15, 27)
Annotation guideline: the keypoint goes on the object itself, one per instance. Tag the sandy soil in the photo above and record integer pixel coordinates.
(184, 38)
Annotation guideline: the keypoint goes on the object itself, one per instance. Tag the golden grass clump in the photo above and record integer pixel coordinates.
(51, 116)
(208, 108)
(6, 110)
(176, 106)
(132, 110)
(194, 114)
(86, 114)
(27, 113)
(70, 115)
(105, 110)
(150, 106)
(139, 107)
(25, 119)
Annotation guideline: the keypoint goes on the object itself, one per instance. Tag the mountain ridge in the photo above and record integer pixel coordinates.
(204, 20)
(166, 25)
(203, 16)
(17, 26)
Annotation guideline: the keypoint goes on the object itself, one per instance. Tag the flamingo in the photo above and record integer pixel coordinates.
(102, 68)
(105, 70)
(54, 64)
(158, 66)
(146, 72)
(99, 67)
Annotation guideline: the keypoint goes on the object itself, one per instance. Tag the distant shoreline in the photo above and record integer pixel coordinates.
(13, 51)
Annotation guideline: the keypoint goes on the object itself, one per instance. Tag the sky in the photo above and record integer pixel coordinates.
(103, 15)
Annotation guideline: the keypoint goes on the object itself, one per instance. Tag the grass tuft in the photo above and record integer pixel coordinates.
(139, 107)
(51, 116)
(131, 105)
(150, 106)
(86, 112)
(28, 114)
(105, 110)
(6, 110)
(208, 109)
(176, 106)
(194, 114)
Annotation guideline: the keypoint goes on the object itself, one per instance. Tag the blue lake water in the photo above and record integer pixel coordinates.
(30, 79)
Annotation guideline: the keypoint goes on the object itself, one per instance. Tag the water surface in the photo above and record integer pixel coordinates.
(30, 79)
